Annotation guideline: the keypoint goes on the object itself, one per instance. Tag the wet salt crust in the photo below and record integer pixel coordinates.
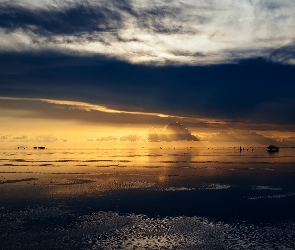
(39, 227)
(147, 199)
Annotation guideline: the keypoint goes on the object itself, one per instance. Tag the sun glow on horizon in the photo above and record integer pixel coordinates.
(57, 123)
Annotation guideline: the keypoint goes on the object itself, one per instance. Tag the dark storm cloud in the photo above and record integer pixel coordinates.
(252, 90)
(88, 22)
(73, 19)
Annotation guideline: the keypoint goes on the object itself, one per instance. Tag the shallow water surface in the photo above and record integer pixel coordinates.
(188, 198)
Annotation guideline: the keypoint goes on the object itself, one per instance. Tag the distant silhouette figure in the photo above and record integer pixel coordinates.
(240, 149)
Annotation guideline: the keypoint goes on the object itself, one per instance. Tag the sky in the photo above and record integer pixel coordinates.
(92, 73)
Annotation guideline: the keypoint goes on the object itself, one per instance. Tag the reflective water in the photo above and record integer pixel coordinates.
(188, 198)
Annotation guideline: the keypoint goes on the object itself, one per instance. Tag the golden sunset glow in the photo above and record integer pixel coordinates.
(137, 124)
(37, 121)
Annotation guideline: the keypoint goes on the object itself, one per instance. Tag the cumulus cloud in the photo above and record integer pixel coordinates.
(133, 137)
(14, 138)
(130, 137)
(173, 131)
(45, 138)
(4, 137)
(22, 138)
(107, 138)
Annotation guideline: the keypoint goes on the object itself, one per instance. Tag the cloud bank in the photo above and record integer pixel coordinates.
(172, 132)
(48, 138)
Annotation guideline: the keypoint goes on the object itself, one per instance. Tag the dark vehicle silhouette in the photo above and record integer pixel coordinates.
(272, 148)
